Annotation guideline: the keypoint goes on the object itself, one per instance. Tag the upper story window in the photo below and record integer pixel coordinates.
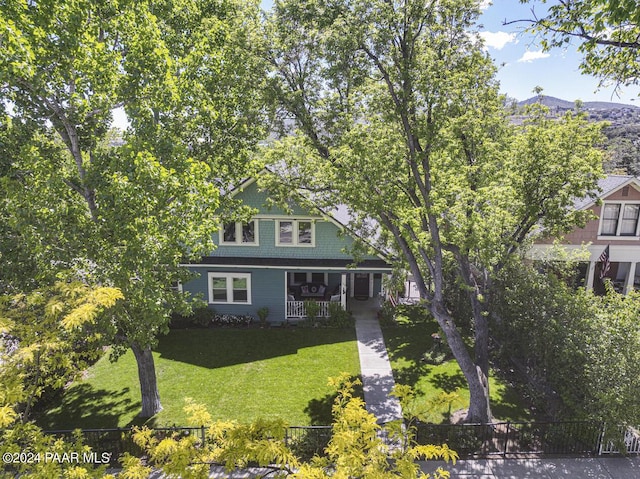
(295, 233)
(237, 233)
(619, 219)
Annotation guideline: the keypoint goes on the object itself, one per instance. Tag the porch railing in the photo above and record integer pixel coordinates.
(297, 309)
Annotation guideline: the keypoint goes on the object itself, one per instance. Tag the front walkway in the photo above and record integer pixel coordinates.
(377, 377)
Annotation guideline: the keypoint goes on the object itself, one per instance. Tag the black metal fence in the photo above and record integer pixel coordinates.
(468, 440)
(307, 441)
(515, 438)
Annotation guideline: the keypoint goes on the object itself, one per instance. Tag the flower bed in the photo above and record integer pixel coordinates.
(207, 318)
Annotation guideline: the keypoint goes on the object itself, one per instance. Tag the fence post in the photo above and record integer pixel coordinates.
(203, 437)
(506, 440)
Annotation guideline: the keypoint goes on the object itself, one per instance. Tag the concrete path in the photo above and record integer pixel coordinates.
(377, 378)
(547, 468)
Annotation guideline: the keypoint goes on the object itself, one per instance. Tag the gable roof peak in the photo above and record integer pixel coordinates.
(606, 186)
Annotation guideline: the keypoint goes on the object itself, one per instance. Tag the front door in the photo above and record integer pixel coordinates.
(361, 285)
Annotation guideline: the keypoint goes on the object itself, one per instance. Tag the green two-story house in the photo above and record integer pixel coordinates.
(280, 260)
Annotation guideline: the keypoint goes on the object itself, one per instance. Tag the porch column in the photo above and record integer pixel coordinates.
(286, 295)
(343, 291)
(628, 283)
(590, 274)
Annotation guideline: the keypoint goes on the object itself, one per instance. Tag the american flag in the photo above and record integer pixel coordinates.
(393, 300)
(606, 264)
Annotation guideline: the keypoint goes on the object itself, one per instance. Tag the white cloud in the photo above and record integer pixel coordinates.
(484, 4)
(529, 57)
(497, 40)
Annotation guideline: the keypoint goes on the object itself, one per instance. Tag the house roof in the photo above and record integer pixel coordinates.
(607, 186)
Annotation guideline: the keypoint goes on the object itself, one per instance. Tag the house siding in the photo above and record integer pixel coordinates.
(624, 251)
(589, 234)
(267, 289)
(328, 244)
(268, 278)
(254, 198)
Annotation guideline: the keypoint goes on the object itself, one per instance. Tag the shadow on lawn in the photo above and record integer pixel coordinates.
(407, 345)
(320, 410)
(449, 383)
(217, 348)
(86, 407)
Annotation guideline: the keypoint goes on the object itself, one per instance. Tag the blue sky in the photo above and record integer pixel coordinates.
(523, 65)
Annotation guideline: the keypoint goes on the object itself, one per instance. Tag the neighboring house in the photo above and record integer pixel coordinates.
(616, 226)
(280, 260)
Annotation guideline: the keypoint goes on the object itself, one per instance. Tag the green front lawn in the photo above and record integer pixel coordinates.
(238, 374)
(409, 345)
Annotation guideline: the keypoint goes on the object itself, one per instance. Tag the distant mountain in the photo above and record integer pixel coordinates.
(558, 103)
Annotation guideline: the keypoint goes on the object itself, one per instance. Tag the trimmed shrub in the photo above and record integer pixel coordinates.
(338, 317)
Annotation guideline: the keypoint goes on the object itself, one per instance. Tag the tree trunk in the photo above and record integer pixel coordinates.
(479, 407)
(477, 286)
(481, 346)
(148, 384)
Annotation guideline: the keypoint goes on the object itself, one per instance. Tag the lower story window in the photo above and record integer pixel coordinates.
(229, 288)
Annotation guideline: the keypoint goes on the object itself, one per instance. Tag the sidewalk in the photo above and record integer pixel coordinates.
(559, 468)
(377, 377)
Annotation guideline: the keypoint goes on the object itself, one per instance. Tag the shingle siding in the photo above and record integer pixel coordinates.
(254, 198)
(328, 244)
(589, 234)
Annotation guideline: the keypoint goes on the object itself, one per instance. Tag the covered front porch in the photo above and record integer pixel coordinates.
(329, 289)
(619, 264)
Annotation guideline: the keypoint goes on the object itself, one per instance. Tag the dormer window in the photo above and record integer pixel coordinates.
(620, 219)
(295, 233)
(238, 233)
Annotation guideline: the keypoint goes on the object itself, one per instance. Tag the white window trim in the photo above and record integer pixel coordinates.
(618, 236)
(228, 276)
(238, 241)
(294, 233)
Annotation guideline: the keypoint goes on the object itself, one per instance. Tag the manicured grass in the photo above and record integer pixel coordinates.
(407, 344)
(238, 374)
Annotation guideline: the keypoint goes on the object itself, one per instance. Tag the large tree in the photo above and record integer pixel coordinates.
(607, 33)
(395, 112)
(126, 214)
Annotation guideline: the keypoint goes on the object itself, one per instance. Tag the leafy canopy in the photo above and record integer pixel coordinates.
(48, 338)
(607, 33)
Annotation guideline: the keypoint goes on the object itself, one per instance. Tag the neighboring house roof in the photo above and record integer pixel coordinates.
(607, 186)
